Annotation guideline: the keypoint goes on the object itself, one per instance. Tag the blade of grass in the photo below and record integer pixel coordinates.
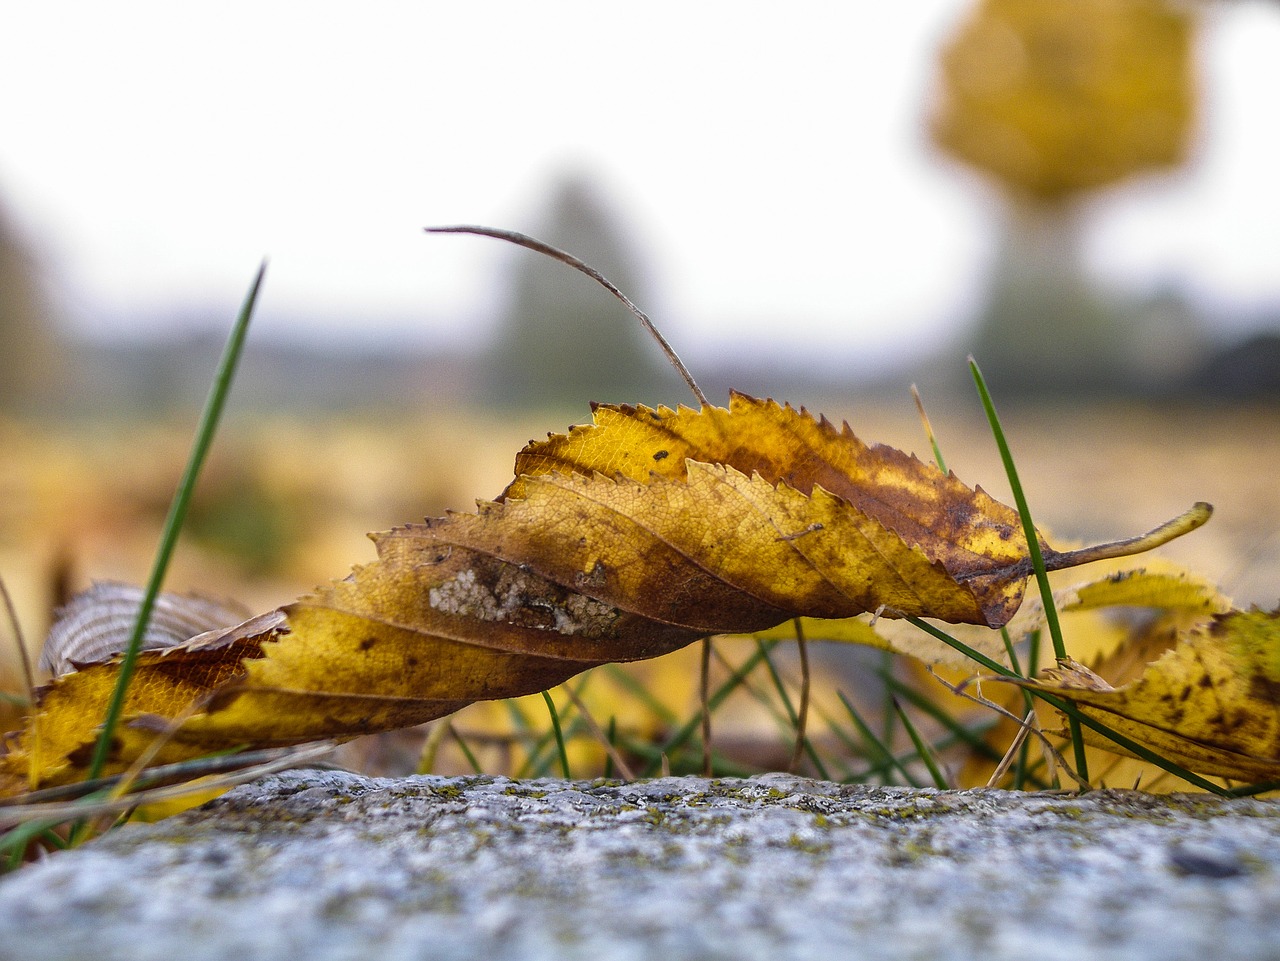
(555, 724)
(943, 744)
(887, 717)
(1033, 549)
(922, 749)
(105, 802)
(431, 748)
(797, 720)
(1022, 772)
(652, 704)
(802, 716)
(538, 744)
(1249, 790)
(686, 730)
(173, 523)
(605, 740)
(961, 733)
(1009, 649)
(928, 430)
(532, 741)
(16, 841)
(1023, 745)
(464, 747)
(210, 765)
(884, 752)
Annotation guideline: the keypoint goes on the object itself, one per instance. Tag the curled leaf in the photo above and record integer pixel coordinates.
(618, 541)
(96, 624)
(1211, 703)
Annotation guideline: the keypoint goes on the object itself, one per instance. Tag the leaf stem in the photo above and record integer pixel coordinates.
(1196, 516)
(524, 240)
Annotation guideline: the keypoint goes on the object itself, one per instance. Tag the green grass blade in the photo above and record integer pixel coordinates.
(778, 686)
(922, 749)
(969, 652)
(651, 702)
(1249, 790)
(15, 842)
(883, 752)
(1009, 649)
(555, 725)
(793, 718)
(1033, 549)
(962, 733)
(686, 731)
(208, 427)
(465, 748)
(887, 716)
(1022, 772)
(972, 736)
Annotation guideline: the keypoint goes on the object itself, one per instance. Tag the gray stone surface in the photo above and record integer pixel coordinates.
(328, 865)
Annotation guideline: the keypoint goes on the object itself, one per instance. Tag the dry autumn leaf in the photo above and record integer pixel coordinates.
(1211, 703)
(618, 541)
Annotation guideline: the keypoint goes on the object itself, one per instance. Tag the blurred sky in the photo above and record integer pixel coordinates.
(771, 160)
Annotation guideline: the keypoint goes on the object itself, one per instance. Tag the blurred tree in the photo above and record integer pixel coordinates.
(565, 341)
(1054, 100)
(30, 366)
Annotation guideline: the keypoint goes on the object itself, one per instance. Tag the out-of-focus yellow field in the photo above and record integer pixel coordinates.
(284, 504)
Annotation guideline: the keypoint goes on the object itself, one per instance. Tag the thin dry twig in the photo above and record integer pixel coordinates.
(523, 240)
(1007, 761)
(139, 765)
(1051, 751)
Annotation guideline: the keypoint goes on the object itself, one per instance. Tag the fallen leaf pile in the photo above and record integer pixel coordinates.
(618, 541)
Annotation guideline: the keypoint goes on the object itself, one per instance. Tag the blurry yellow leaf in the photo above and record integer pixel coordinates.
(897, 638)
(1053, 98)
(1142, 587)
(1212, 703)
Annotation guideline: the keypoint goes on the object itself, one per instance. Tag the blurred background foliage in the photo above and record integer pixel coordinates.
(1123, 410)
(1052, 103)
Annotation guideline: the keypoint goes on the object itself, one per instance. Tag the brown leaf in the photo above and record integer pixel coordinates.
(619, 541)
(1211, 703)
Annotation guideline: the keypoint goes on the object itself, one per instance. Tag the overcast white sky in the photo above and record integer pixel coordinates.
(771, 158)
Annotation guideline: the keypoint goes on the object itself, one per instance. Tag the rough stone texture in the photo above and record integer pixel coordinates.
(330, 865)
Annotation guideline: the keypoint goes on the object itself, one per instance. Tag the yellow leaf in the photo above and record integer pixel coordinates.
(1211, 703)
(619, 541)
(1167, 589)
(1055, 98)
